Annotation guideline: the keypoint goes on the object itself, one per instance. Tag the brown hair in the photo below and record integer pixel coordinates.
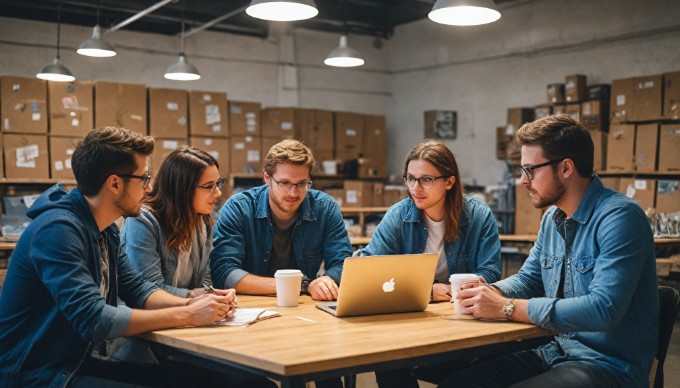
(104, 152)
(442, 158)
(561, 137)
(171, 199)
(288, 151)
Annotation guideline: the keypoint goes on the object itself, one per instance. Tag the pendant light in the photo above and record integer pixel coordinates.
(343, 55)
(464, 12)
(182, 70)
(282, 10)
(56, 71)
(96, 46)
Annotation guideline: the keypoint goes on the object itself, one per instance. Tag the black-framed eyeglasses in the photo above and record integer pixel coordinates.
(286, 186)
(528, 171)
(214, 186)
(425, 182)
(146, 178)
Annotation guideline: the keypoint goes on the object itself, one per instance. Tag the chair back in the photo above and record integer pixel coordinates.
(669, 301)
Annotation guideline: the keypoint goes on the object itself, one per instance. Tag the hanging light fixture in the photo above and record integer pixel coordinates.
(344, 56)
(464, 12)
(182, 70)
(96, 46)
(282, 10)
(56, 71)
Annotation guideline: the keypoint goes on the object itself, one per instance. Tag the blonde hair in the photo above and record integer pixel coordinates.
(288, 151)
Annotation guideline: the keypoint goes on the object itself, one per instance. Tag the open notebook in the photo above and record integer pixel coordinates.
(384, 284)
(246, 316)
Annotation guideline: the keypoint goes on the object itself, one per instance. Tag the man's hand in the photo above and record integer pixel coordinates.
(323, 288)
(482, 300)
(209, 308)
(441, 292)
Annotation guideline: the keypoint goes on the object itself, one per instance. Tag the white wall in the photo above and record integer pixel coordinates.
(481, 71)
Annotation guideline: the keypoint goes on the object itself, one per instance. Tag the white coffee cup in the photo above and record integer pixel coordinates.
(288, 284)
(457, 280)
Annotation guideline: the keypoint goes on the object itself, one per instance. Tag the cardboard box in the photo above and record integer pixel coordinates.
(168, 113)
(378, 194)
(441, 124)
(162, 149)
(120, 105)
(669, 144)
(648, 98)
(503, 140)
(217, 147)
(600, 150)
(599, 92)
(246, 154)
(23, 104)
(266, 143)
(559, 109)
(575, 88)
(315, 129)
(244, 118)
(646, 147)
(71, 107)
(574, 110)
(527, 217)
(517, 117)
(610, 182)
(337, 194)
(326, 164)
(668, 196)
(555, 93)
(374, 145)
(595, 115)
(61, 150)
(278, 123)
(641, 190)
(358, 193)
(542, 111)
(349, 132)
(671, 95)
(26, 156)
(393, 194)
(621, 148)
(621, 104)
(208, 114)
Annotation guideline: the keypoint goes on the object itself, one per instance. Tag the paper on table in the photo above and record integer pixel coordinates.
(246, 316)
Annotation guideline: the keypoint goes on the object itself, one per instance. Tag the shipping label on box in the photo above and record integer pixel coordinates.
(61, 150)
(23, 105)
(245, 154)
(575, 88)
(208, 114)
(26, 156)
(244, 118)
(217, 147)
(621, 102)
(168, 113)
(162, 149)
(71, 107)
(641, 190)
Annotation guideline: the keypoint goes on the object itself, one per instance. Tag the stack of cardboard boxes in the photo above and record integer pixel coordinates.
(209, 125)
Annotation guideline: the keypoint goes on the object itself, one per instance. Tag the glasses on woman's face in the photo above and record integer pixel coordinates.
(286, 186)
(528, 171)
(425, 182)
(146, 178)
(214, 186)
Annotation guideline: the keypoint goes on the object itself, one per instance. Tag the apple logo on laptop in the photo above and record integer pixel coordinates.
(389, 286)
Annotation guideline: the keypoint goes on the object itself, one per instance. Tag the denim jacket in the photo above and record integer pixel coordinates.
(244, 235)
(609, 314)
(142, 240)
(51, 311)
(477, 249)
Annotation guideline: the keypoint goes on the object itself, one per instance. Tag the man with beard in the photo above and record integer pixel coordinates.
(282, 224)
(59, 300)
(591, 275)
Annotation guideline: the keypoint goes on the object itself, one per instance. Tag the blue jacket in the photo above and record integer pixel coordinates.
(142, 241)
(51, 311)
(609, 314)
(477, 249)
(244, 235)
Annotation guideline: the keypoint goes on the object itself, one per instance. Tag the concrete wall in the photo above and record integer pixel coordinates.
(483, 70)
(477, 71)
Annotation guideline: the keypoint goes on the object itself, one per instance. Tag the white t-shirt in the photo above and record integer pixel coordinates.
(435, 244)
(189, 260)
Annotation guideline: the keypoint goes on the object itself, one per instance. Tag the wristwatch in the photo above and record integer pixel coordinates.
(508, 309)
(305, 284)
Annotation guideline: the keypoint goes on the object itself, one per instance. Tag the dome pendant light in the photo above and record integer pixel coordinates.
(282, 10)
(344, 56)
(182, 70)
(56, 71)
(96, 46)
(464, 12)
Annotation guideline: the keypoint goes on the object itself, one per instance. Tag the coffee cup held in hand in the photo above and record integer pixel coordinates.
(457, 280)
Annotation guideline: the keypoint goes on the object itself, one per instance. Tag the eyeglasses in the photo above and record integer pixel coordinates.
(425, 182)
(214, 186)
(146, 178)
(528, 171)
(286, 186)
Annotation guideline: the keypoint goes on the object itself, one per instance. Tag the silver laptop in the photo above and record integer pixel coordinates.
(384, 284)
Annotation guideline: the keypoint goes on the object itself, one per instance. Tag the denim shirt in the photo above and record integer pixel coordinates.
(51, 311)
(244, 235)
(477, 249)
(609, 314)
(142, 240)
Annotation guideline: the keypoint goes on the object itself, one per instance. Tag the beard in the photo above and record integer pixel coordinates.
(551, 196)
(127, 205)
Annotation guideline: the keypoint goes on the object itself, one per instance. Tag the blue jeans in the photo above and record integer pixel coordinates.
(527, 369)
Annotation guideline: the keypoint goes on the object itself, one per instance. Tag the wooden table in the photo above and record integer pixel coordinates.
(306, 344)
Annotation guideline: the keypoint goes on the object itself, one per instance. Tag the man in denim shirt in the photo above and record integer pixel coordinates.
(280, 225)
(591, 276)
